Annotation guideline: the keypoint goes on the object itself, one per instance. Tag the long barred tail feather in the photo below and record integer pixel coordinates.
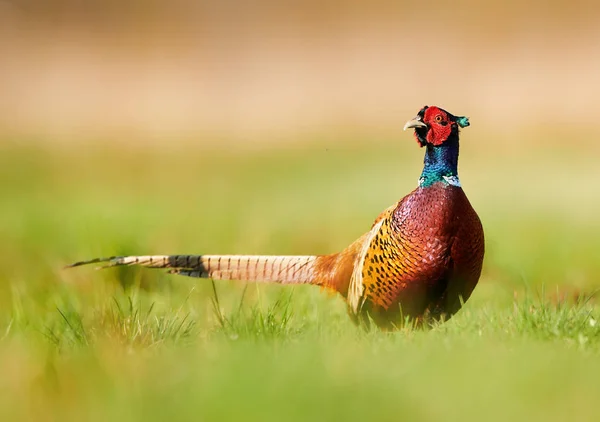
(268, 268)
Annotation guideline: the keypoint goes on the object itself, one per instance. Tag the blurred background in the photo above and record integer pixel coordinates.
(264, 70)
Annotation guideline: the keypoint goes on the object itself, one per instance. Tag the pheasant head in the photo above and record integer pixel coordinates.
(435, 126)
(438, 130)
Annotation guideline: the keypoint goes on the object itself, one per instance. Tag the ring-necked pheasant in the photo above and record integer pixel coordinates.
(421, 258)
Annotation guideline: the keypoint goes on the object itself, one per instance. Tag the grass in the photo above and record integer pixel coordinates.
(128, 344)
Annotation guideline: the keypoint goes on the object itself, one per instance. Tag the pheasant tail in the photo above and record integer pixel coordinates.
(267, 268)
(339, 271)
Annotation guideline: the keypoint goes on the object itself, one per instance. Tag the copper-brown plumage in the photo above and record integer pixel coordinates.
(422, 257)
(425, 258)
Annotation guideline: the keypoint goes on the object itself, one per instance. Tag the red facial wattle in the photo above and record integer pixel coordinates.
(440, 125)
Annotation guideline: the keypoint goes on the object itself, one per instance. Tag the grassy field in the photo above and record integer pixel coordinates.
(133, 344)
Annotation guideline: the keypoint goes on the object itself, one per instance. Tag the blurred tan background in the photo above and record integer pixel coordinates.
(74, 71)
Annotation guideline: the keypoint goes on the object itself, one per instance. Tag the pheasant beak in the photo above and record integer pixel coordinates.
(414, 123)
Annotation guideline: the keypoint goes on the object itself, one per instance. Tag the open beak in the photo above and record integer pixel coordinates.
(414, 123)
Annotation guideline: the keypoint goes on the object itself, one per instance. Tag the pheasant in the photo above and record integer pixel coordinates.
(421, 259)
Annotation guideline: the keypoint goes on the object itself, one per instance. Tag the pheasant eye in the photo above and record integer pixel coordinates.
(438, 118)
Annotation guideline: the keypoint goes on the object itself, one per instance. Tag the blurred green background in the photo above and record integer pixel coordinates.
(275, 128)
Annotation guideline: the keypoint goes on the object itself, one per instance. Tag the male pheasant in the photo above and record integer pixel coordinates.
(421, 259)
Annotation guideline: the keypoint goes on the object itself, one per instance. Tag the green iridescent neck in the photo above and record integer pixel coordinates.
(441, 164)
